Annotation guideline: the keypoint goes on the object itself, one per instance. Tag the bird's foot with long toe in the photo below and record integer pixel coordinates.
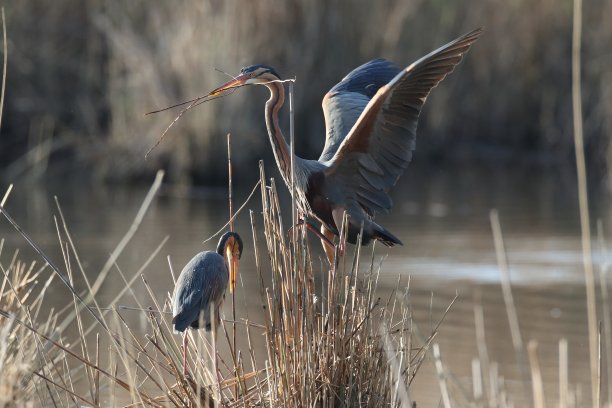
(328, 245)
(325, 235)
(325, 239)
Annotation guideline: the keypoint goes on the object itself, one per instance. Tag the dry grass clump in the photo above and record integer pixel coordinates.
(335, 345)
(21, 353)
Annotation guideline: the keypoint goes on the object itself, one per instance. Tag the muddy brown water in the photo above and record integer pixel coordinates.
(440, 213)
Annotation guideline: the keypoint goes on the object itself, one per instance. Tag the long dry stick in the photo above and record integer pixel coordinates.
(120, 246)
(515, 331)
(6, 195)
(131, 231)
(232, 283)
(292, 146)
(220, 230)
(563, 374)
(583, 199)
(607, 323)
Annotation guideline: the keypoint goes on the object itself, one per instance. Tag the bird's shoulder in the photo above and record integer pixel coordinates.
(367, 78)
(203, 268)
(202, 263)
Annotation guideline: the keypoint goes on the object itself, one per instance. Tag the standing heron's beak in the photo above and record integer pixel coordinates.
(232, 262)
(237, 82)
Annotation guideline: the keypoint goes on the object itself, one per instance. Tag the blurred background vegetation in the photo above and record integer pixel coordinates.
(81, 74)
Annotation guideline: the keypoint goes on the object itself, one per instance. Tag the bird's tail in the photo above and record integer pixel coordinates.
(384, 236)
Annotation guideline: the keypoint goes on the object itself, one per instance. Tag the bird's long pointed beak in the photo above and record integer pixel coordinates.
(237, 82)
(232, 261)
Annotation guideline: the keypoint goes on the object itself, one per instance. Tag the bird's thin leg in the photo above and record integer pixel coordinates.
(185, 353)
(326, 240)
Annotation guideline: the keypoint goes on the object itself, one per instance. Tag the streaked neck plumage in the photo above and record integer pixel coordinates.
(282, 152)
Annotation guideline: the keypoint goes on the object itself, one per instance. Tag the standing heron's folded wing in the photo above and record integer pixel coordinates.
(202, 283)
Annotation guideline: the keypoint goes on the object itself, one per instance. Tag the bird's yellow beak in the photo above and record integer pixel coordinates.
(237, 82)
(232, 262)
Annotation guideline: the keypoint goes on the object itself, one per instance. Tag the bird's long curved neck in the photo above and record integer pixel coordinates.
(282, 153)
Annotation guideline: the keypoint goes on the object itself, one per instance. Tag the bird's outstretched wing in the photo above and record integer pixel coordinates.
(343, 104)
(379, 146)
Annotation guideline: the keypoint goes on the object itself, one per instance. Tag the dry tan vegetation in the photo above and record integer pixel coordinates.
(328, 344)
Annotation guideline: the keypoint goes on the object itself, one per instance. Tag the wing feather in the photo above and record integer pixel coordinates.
(379, 146)
(345, 102)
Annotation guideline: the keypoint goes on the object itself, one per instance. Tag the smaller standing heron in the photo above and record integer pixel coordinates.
(200, 289)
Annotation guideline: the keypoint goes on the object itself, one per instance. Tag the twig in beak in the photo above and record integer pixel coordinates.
(192, 104)
(223, 72)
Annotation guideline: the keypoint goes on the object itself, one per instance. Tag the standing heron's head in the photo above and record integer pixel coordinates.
(252, 75)
(230, 247)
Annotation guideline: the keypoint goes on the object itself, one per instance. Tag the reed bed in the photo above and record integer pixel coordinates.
(107, 64)
(330, 343)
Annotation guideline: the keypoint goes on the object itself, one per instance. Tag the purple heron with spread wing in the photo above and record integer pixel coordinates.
(371, 120)
(200, 289)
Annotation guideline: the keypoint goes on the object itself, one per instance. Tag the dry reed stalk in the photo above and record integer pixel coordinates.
(515, 330)
(583, 199)
(441, 376)
(536, 375)
(563, 374)
(605, 300)
(477, 382)
(6, 195)
(481, 344)
(159, 176)
(231, 228)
